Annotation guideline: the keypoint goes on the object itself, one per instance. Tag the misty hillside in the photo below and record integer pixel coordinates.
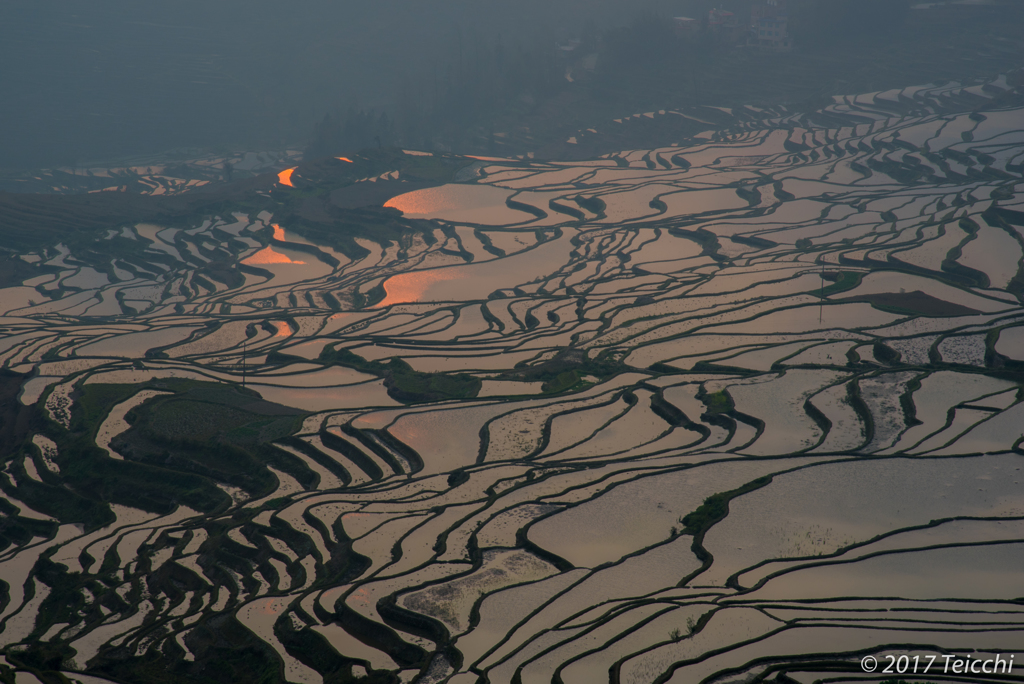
(85, 84)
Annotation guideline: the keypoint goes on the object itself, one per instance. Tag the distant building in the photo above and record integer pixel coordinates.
(724, 25)
(769, 26)
(685, 26)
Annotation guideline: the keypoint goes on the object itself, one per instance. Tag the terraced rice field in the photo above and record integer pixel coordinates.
(744, 407)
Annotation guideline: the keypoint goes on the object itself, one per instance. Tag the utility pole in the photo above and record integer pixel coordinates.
(821, 304)
(243, 364)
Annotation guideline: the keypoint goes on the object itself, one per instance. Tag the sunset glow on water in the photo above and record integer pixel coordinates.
(278, 232)
(410, 287)
(285, 177)
(345, 159)
(421, 201)
(475, 203)
(268, 255)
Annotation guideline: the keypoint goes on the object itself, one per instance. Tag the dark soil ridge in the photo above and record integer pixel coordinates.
(914, 303)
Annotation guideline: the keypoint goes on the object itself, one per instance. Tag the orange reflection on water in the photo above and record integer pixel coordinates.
(346, 159)
(410, 287)
(285, 177)
(278, 232)
(268, 255)
(426, 201)
(283, 329)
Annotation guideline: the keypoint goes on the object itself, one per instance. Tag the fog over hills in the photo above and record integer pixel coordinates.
(85, 81)
(91, 84)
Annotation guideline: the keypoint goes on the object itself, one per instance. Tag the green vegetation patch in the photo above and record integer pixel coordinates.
(562, 382)
(98, 479)
(566, 371)
(16, 530)
(405, 384)
(408, 385)
(226, 652)
(197, 420)
(713, 510)
(595, 205)
(17, 424)
(94, 403)
(218, 431)
(841, 281)
(14, 271)
(176, 450)
(718, 402)
(885, 353)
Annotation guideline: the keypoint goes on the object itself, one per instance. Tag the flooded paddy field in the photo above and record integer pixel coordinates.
(746, 408)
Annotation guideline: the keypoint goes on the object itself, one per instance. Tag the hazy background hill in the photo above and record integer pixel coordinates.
(109, 77)
(88, 83)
